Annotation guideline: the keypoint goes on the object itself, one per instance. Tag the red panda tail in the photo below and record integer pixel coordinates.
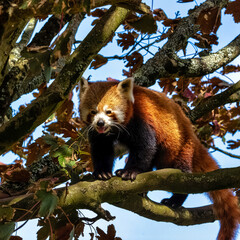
(226, 208)
(225, 204)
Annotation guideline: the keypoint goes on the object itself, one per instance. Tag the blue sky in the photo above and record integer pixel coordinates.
(130, 226)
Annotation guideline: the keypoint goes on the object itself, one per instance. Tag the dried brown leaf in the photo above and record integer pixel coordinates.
(79, 229)
(144, 24)
(159, 14)
(63, 127)
(209, 20)
(189, 94)
(16, 175)
(206, 40)
(36, 150)
(233, 144)
(171, 22)
(65, 111)
(126, 39)
(63, 233)
(168, 84)
(15, 238)
(230, 69)
(233, 8)
(135, 60)
(98, 61)
(111, 233)
(99, 12)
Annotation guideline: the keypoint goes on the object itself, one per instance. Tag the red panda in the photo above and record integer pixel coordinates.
(157, 134)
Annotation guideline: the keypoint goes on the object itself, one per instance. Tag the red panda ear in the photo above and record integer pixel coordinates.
(125, 88)
(83, 84)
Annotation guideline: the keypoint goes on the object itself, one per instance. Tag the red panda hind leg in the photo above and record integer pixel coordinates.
(175, 201)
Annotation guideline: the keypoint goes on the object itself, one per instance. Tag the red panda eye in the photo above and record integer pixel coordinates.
(108, 112)
(93, 112)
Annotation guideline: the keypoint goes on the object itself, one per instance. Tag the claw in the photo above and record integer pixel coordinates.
(118, 173)
(127, 174)
(102, 175)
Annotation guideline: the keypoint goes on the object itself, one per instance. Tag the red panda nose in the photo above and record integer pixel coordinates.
(100, 123)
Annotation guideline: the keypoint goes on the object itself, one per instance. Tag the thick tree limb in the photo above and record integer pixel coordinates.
(9, 33)
(25, 38)
(195, 67)
(16, 81)
(201, 66)
(166, 64)
(49, 31)
(40, 109)
(144, 207)
(125, 194)
(49, 7)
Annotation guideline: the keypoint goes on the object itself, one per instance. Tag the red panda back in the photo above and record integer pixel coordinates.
(173, 129)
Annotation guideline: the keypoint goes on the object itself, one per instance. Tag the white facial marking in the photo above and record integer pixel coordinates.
(105, 108)
(102, 116)
(120, 115)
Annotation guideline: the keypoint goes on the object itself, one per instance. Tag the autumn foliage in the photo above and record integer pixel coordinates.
(40, 66)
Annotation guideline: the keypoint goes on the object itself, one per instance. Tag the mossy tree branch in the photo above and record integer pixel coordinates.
(33, 67)
(89, 194)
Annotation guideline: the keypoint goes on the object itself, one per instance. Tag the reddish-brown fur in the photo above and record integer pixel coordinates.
(180, 147)
(183, 145)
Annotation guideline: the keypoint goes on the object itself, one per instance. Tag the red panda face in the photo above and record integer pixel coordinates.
(106, 106)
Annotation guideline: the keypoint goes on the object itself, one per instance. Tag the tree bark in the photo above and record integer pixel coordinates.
(90, 194)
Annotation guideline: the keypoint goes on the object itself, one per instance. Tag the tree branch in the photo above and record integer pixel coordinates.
(34, 67)
(9, 33)
(145, 207)
(211, 103)
(90, 194)
(201, 66)
(225, 152)
(166, 64)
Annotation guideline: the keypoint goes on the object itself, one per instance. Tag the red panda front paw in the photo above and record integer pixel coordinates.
(128, 174)
(101, 175)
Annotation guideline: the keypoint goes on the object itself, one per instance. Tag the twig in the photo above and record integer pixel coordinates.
(225, 152)
(28, 211)
(33, 213)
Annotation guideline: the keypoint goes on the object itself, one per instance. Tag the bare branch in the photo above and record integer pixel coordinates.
(225, 152)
